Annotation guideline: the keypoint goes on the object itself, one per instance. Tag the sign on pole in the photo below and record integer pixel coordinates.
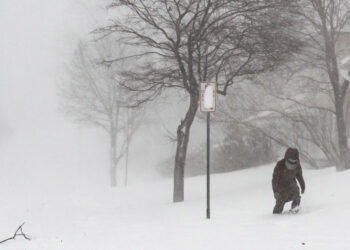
(344, 68)
(208, 105)
(208, 97)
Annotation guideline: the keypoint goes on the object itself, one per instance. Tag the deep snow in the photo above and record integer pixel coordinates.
(49, 172)
(143, 216)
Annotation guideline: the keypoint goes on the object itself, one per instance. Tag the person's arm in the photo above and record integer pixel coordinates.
(275, 180)
(301, 180)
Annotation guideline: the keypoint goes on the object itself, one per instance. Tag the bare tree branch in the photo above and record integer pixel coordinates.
(18, 232)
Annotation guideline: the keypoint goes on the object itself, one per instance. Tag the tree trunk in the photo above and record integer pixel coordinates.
(127, 148)
(114, 126)
(342, 138)
(339, 92)
(113, 165)
(126, 164)
(183, 134)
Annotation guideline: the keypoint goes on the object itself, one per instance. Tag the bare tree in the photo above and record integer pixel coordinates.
(187, 42)
(93, 96)
(324, 21)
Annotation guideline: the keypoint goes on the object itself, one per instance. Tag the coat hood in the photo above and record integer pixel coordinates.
(292, 154)
(291, 158)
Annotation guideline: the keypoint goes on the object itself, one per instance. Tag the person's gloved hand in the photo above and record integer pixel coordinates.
(303, 190)
(276, 194)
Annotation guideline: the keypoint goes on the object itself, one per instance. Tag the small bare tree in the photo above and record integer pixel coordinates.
(93, 96)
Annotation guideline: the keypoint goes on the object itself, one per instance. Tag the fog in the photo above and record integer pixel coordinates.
(40, 146)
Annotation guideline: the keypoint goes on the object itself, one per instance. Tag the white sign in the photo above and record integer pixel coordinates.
(208, 97)
(344, 68)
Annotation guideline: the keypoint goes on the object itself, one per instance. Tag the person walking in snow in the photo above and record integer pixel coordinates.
(284, 185)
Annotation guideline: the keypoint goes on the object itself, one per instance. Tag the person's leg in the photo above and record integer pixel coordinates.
(280, 201)
(296, 197)
(278, 209)
(296, 201)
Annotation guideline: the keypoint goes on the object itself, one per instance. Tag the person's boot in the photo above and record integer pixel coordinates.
(295, 204)
(278, 208)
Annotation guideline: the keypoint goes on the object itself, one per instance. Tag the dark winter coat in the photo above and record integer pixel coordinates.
(284, 179)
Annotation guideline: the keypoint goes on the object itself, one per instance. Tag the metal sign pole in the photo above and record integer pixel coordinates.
(208, 165)
(208, 105)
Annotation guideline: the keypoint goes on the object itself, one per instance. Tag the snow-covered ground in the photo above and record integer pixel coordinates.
(143, 216)
(49, 171)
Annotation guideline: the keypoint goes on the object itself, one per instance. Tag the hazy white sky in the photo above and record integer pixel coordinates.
(37, 40)
(37, 37)
(38, 145)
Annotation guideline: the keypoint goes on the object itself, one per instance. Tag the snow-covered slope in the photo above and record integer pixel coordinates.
(143, 216)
